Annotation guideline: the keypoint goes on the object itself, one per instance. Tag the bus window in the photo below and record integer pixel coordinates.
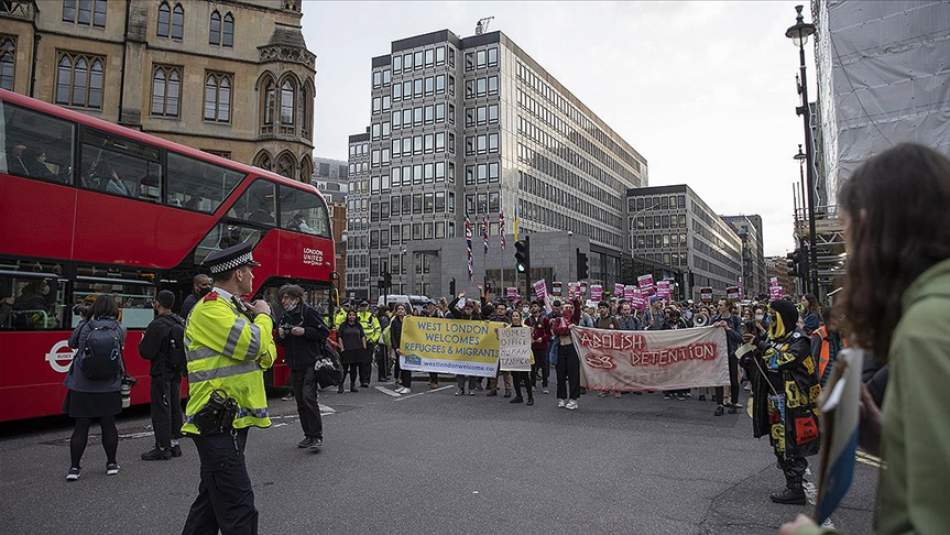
(303, 211)
(119, 166)
(198, 185)
(133, 290)
(32, 296)
(256, 204)
(223, 236)
(35, 145)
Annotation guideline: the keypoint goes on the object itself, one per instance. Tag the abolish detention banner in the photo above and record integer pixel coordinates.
(439, 345)
(630, 361)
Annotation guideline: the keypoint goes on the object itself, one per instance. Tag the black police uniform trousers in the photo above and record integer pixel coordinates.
(304, 384)
(166, 408)
(365, 368)
(225, 499)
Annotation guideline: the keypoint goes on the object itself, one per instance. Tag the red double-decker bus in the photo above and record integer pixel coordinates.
(88, 207)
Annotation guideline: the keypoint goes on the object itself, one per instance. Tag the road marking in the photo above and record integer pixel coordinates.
(404, 397)
(326, 409)
(387, 391)
(868, 459)
(132, 436)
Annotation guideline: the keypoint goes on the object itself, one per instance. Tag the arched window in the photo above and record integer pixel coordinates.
(7, 62)
(178, 22)
(287, 102)
(263, 160)
(166, 90)
(214, 33)
(306, 169)
(228, 30)
(268, 97)
(286, 165)
(79, 80)
(218, 97)
(164, 19)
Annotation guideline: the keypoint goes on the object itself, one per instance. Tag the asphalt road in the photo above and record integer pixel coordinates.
(435, 463)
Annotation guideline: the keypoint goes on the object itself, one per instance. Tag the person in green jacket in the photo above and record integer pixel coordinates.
(897, 302)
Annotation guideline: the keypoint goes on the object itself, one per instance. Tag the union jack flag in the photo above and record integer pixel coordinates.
(485, 233)
(501, 227)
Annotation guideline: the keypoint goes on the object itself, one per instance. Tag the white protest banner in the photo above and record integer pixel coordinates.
(540, 290)
(596, 293)
(631, 361)
(514, 349)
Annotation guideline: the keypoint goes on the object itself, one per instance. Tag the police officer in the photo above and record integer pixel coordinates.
(229, 345)
(370, 324)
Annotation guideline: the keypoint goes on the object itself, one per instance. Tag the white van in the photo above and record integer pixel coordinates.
(417, 302)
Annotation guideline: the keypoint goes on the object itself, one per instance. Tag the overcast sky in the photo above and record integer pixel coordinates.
(705, 91)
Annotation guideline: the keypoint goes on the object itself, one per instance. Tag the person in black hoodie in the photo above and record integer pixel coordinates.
(302, 334)
(163, 346)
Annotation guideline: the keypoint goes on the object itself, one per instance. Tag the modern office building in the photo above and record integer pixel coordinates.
(749, 230)
(474, 126)
(672, 226)
(330, 177)
(176, 69)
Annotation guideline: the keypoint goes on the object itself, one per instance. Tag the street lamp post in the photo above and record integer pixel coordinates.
(799, 35)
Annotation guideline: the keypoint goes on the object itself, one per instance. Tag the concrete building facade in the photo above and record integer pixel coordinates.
(179, 70)
(749, 230)
(475, 127)
(672, 226)
(330, 177)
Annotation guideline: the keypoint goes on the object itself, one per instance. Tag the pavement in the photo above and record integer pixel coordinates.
(431, 462)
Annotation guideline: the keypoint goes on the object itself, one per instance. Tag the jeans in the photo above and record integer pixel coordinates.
(733, 382)
(568, 372)
(541, 365)
(225, 499)
(521, 379)
(304, 384)
(166, 409)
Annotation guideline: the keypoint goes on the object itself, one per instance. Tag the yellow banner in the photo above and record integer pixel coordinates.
(461, 347)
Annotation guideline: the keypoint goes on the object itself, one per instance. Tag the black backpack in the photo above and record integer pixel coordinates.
(176, 358)
(102, 353)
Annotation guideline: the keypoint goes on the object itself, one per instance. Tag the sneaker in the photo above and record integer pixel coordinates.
(561, 403)
(403, 390)
(518, 399)
(459, 392)
(112, 469)
(73, 474)
(305, 443)
(571, 405)
(316, 444)
(602, 394)
(530, 402)
(719, 411)
(471, 392)
(157, 454)
(288, 397)
(545, 391)
(176, 450)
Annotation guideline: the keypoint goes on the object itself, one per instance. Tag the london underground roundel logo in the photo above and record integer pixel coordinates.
(60, 356)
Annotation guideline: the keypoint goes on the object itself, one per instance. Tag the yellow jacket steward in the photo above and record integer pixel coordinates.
(228, 352)
(338, 318)
(370, 325)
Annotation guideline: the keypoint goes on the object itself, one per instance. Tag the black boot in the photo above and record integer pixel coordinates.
(517, 399)
(790, 496)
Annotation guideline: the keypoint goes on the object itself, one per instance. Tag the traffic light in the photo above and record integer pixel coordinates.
(523, 255)
(387, 279)
(583, 271)
(452, 287)
(791, 262)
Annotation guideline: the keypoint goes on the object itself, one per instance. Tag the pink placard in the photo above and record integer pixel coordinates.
(596, 293)
(540, 290)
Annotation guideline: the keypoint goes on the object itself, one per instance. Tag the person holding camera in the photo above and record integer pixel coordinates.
(163, 346)
(732, 326)
(302, 334)
(229, 345)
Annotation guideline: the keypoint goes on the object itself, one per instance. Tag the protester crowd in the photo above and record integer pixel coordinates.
(896, 305)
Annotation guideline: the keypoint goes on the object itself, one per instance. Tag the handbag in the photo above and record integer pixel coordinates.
(327, 372)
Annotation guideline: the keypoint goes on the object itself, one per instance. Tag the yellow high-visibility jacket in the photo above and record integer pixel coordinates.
(227, 351)
(370, 325)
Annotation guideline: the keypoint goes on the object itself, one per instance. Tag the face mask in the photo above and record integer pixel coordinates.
(759, 317)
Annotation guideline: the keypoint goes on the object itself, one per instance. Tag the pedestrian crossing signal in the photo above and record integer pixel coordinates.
(522, 255)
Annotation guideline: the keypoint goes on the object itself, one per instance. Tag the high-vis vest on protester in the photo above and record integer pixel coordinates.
(227, 351)
(370, 325)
